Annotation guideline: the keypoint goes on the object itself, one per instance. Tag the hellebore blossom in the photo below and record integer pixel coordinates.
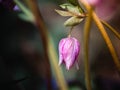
(68, 51)
(105, 9)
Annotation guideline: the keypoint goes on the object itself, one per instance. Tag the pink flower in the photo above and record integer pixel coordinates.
(93, 2)
(68, 51)
(105, 9)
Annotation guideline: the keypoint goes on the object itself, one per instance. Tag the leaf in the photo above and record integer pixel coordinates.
(64, 13)
(25, 10)
(73, 21)
(73, 2)
(71, 8)
(25, 17)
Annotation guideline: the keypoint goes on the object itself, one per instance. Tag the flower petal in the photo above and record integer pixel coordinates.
(61, 44)
(68, 51)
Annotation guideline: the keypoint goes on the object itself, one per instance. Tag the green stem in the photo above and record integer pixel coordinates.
(86, 48)
(112, 29)
(50, 52)
(57, 70)
(33, 6)
(69, 34)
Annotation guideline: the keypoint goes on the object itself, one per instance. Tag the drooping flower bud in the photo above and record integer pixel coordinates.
(68, 51)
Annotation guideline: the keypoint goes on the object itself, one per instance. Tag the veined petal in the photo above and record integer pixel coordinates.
(60, 59)
(61, 44)
(68, 51)
(76, 47)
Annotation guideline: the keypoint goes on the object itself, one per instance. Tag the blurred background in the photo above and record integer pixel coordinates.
(22, 64)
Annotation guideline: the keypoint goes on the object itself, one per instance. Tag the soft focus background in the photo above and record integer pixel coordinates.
(22, 65)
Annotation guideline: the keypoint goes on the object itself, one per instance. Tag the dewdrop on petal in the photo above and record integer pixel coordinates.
(68, 51)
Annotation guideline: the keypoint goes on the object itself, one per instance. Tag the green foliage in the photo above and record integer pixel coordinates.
(74, 10)
(73, 21)
(74, 2)
(64, 13)
(26, 15)
(71, 8)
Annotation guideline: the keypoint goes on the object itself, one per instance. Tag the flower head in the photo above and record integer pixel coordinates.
(68, 51)
(105, 9)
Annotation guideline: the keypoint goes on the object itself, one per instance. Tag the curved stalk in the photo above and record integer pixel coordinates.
(57, 70)
(112, 29)
(50, 52)
(86, 48)
(71, 29)
(107, 40)
(105, 36)
(32, 4)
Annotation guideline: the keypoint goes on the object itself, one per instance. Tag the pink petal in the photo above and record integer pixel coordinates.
(68, 51)
(61, 44)
(105, 9)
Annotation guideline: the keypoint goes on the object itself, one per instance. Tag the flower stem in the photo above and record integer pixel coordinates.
(50, 52)
(69, 34)
(57, 70)
(32, 4)
(107, 40)
(105, 36)
(86, 48)
(112, 29)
